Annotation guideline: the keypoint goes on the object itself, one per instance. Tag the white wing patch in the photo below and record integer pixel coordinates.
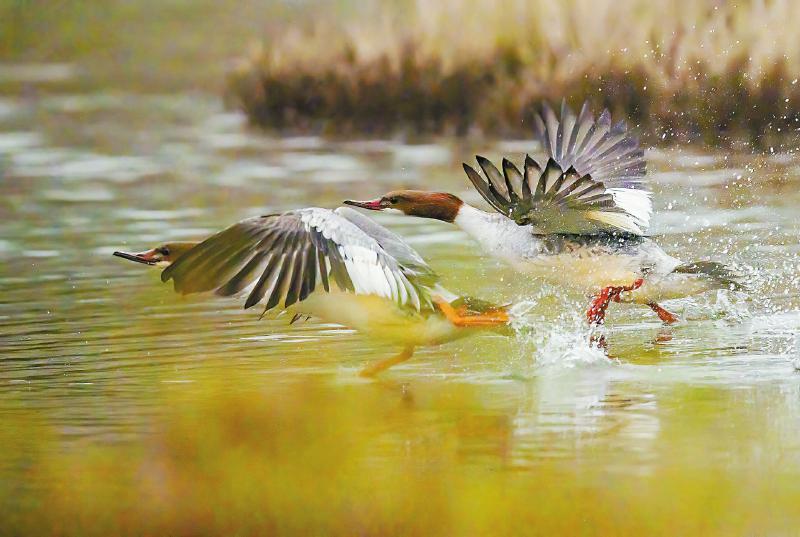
(371, 270)
(636, 203)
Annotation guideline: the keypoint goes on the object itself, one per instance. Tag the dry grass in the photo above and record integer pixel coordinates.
(715, 70)
(314, 459)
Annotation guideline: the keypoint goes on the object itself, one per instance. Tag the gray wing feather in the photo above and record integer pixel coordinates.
(283, 257)
(496, 180)
(393, 244)
(609, 154)
(486, 190)
(593, 180)
(513, 179)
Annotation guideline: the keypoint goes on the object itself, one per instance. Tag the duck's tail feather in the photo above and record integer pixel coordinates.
(723, 276)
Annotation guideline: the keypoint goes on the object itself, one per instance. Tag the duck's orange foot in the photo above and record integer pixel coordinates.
(596, 314)
(667, 317)
(461, 317)
(373, 369)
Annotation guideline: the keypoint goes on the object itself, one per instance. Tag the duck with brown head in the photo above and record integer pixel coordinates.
(577, 221)
(437, 205)
(339, 266)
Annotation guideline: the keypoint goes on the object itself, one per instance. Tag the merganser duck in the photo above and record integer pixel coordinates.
(578, 221)
(336, 265)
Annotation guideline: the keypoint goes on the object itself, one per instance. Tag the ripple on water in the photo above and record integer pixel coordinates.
(9, 108)
(245, 173)
(305, 143)
(421, 155)
(83, 194)
(325, 162)
(113, 168)
(158, 215)
(12, 142)
(76, 165)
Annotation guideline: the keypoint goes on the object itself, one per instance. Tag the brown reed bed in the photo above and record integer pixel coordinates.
(708, 71)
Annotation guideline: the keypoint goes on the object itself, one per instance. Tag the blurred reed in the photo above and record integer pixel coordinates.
(716, 71)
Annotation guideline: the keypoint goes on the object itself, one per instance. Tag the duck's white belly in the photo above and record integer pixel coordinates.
(591, 273)
(585, 274)
(584, 264)
(379, 317)
(669, 287)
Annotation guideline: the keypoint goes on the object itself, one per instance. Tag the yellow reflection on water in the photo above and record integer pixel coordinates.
(317, 458)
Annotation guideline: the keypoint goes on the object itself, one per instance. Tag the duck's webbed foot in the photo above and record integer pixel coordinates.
(463, 318)
(378, 367)
(596, 314)
(667, 317)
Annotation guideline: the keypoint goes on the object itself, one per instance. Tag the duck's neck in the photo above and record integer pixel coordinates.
(498, 235)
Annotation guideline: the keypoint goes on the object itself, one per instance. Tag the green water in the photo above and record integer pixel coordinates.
(89, 344)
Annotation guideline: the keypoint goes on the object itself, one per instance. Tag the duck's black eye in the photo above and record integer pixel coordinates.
(163, 251)
(394, 199)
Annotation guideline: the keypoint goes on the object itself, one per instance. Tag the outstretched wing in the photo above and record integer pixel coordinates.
(610, 154)
(283, 258)
(415, 266)
(593, 180)
(392, 244)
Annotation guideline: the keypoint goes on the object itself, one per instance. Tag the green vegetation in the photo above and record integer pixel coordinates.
(718, 71)
(367, 459)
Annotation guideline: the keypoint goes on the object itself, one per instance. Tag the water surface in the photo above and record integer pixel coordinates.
(89, 344)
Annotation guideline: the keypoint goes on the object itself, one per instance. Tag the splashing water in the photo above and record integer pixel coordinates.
(796, 352)
(566, 342)
(720, 305)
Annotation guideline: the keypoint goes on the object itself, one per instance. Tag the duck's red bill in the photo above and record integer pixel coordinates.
(372, 205)
(138, 258)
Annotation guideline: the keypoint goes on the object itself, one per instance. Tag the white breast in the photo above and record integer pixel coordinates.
(498, 236)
